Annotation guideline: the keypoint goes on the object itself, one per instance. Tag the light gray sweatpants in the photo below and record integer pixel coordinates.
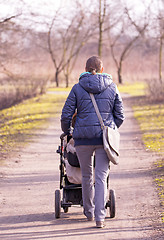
(94, 198)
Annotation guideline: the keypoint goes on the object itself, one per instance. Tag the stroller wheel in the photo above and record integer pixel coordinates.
(112, 203)
(65, 209)
(57, 203)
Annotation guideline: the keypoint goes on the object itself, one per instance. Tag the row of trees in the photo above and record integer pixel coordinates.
(20, 58)
(113, 24)
(115, 28)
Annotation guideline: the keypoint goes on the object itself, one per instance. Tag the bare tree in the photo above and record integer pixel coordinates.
(7, 41)
(65, 47)
(101, 21)
(161, 37)
(17, 55)
(121, 43)
(156, 84)
(78, 40)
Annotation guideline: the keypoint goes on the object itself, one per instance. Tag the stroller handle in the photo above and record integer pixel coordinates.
(63, 135)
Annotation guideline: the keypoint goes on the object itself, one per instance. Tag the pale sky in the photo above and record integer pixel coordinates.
(46, 8)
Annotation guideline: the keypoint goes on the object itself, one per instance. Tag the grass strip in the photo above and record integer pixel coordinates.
(18, 122)
(59, 89)
(135, 89)
(150, 117)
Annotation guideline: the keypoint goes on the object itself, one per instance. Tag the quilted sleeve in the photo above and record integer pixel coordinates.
(118, 110)
(68, 111)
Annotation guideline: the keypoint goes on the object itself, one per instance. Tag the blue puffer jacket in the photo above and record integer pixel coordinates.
(87, 130)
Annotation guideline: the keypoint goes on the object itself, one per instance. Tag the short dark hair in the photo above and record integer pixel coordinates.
(94, 64)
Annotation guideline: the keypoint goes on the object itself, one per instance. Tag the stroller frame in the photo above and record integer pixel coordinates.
(72, 193)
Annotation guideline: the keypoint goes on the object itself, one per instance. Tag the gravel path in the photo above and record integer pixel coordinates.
(29, 179)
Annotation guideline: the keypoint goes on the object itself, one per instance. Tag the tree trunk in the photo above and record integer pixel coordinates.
(67, 81)
(120, 72)
(57, 78)
(102, 12)
(160, 59)
(100, 30)
(100, 41)
(119, 76)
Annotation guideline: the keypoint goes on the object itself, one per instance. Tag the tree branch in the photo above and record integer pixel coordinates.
(9, 18)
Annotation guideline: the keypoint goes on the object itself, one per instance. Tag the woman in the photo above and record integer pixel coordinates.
(87, 132)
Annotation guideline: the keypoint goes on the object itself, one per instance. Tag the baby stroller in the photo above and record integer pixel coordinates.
(72, 191)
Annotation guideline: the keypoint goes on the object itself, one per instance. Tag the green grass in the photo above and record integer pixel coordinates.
(59, 89)
(17, 124)
(151, 120)
(135, 89)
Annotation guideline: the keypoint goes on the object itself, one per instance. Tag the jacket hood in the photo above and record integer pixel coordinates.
(95, 83)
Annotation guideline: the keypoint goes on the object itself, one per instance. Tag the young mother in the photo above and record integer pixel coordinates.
(87, 132)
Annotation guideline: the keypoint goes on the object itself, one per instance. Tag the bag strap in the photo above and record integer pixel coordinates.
(97, 110)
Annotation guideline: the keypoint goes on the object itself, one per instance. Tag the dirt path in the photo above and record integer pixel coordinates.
(29, 180)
